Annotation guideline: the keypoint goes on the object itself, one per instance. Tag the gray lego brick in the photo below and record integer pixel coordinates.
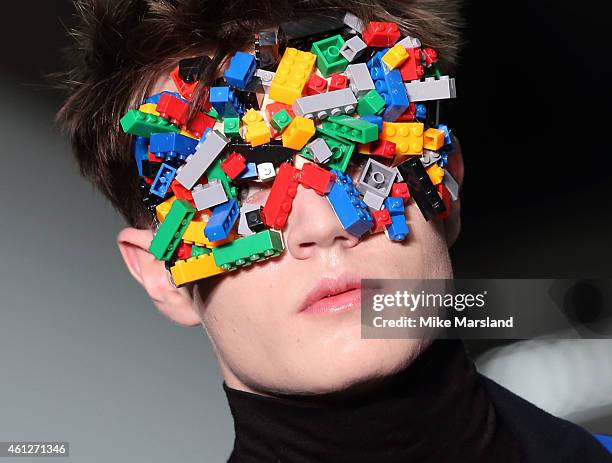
(266, 77)
(319, 150)
(326, 104)
(376, 178)
(451, 185)
(429, 157)
(353, 48)
(209, 195)
(206, 153)
(360, 80)
(354, 22)
(243, 228)
(373, 201)
(431, 89)
(409, 42)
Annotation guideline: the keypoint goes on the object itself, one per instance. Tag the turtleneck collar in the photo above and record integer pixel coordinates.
(436, 410)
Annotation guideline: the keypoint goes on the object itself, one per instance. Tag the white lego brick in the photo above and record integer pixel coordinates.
(326, 104)
(409, 42)
(360, 80)
(206, 152)
(243, 228)
(451, 185)
(431, 89)
(209, 195)
(265, 171)
(354, 22)
(353, 48)
(266, 77)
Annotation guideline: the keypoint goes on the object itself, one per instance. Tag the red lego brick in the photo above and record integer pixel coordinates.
(181, 192)
(275, 107)
(379, 34)
(170, 107)
(186, 90)
(337, 82)
(412, 69)
(409, 115)
(183, 251)
(316, 85)
(400, 190)
(233, 165)
(381, 220)
(446, 199)
(430, 56)
(317, 178)
(384, 148)
(278, 205)
(200, 123)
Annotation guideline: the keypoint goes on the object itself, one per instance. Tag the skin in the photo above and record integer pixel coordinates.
(262, 342)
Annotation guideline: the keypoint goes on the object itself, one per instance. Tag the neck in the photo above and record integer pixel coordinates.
(434, 410)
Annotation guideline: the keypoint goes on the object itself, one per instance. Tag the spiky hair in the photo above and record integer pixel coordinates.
(121, 48)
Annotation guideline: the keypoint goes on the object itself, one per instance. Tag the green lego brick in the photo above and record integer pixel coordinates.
(342, 150)
(329, 59)
(213, 113)
(281, 120)
(231, 126)
(142, 124)
(351, 128)
(248, 249)
(215, 172)
(433, 71)
(171, 230)
(199, 250)
(370, 103)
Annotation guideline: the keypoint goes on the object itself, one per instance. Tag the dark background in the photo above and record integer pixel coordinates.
(530, 114)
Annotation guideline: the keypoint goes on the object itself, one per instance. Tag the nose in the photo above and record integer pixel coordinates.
(312, 226)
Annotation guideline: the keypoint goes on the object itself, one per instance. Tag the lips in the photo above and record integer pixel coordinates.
(333, 295)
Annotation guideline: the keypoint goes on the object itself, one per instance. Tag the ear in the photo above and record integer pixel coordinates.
(455, 167)
(175, 303)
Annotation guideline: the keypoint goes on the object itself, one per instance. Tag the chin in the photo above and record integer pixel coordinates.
(355, 366)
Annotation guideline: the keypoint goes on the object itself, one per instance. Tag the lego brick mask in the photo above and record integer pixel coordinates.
(315, 99)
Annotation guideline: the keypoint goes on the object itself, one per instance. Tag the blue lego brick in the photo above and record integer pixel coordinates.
(222, 220)
(250, 172)
(162, 181)
(155, 98)
(374, 119)
(225, 101)
(398, 229)
(141, 151)
(240, 70)
(390, 86)
(448, 138)
(421, 112)
(172, 145)
(348, 205)
(394, 205)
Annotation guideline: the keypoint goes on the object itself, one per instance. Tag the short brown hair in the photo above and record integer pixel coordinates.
(121, 47)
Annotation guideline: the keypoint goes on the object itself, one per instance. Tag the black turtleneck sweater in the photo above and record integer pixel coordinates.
(439, 409)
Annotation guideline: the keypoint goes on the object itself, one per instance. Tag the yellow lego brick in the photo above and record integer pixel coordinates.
(251, 116)
(436, 173)
(395, 57)
(257, 133)
(194, 234)
(149, 108)
(193, 269)
(162, 209)
(433, 139)
(407, 136)
(297, 134)
(292, 75)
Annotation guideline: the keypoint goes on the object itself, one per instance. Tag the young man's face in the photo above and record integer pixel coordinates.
(272, 325)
